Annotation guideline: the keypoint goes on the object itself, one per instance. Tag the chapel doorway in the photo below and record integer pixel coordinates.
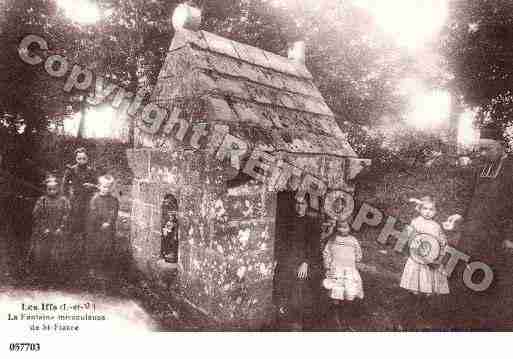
(285, 221)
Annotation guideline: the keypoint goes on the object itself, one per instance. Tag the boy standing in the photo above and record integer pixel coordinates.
(101, 225)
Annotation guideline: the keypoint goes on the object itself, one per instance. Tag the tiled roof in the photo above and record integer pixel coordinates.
(250, 54)
(249, 88)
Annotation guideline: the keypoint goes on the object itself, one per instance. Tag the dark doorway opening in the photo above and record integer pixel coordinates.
(285, 221)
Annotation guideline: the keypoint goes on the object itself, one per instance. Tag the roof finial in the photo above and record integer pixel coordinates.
(187, 17)
(296, 52)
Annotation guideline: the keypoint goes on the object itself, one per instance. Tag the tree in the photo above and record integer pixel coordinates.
(355, 67)
(478, 43)
(129, 45)
(126, 47)
(28, 97)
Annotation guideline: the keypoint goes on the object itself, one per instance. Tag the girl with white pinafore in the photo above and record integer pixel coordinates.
(420, 276)
(340, 255)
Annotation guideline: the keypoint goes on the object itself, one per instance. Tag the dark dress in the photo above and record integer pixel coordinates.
(488, 222)
(101, 241)
(73, 186)
(50, 231)
(489, 217)
(298, 243)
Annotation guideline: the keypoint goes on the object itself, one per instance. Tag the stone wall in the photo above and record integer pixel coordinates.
(226, 235)
(233, 269)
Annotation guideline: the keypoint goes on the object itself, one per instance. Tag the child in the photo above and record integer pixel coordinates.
(340, 255)
(420, 276)
(51, 214)
(78, 185)
(101, 224)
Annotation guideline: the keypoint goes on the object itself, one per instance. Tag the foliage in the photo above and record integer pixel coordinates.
(27, 97)
(478, 44)
(354, 65)
(106, 156)
(127, 47)
(395, 146)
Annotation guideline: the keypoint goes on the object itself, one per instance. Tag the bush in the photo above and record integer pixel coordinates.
(451, 187)
(396, 145)
(106, 156)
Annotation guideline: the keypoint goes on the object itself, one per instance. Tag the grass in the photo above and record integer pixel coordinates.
(390, 306)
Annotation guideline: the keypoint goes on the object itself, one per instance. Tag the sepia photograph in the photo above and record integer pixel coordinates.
(255, 166)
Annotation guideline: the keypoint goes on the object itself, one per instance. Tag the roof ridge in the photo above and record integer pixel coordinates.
(200, 40)
(193, 44)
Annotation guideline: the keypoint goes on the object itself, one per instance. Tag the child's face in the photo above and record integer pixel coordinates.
(428, 210)
(81, 158)
(52, 190)
(105, 188)
(343, 229)
(301, 208)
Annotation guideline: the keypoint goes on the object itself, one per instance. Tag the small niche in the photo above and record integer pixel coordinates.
(169, 229)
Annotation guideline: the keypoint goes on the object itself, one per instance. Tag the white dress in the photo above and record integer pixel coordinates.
(419, 277)
(342, 277)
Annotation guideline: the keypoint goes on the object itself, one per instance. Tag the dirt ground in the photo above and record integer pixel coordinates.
(386, 307)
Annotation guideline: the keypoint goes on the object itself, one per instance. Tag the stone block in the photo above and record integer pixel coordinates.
(139, 246)
(148, 193)
(153, 245)
(196, 291)
(184, 256)
(191, 203)
(139, 160)
(135, 189)
(143, 219)
(244, 206)
(242, 303)
(269, 199)
(156, 219)
(234, 238)
(194, 232)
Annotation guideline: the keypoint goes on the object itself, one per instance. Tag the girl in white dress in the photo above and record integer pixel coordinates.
(340, 255)
(423, 272)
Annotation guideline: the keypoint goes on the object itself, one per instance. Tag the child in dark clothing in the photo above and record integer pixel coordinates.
(50, 230)
(78, 185)
(101, 225)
